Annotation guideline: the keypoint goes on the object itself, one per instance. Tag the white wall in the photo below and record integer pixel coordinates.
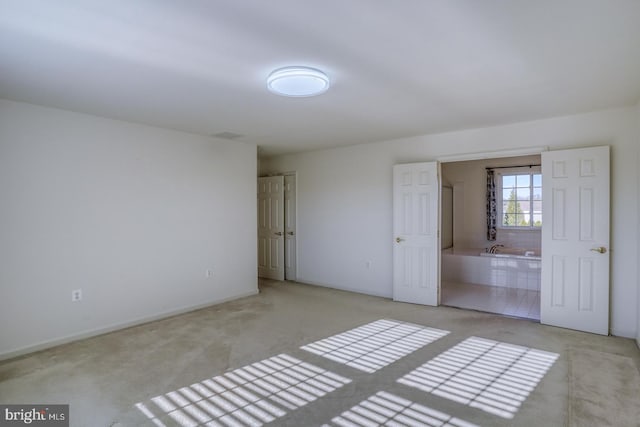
(469, 180)
(132, 215)
(638, 167)
(345, 195)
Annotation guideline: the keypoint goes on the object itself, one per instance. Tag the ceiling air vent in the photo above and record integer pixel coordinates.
(227, 135)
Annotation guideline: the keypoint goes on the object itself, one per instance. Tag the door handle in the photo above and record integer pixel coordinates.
(399, 239)
(290, 233)
(278, 233)
(600, 250)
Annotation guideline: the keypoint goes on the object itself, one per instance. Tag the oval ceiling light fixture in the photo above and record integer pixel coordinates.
(297, 81)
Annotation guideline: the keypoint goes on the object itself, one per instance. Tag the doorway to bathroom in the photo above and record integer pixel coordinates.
(492, 266)
(573, 259)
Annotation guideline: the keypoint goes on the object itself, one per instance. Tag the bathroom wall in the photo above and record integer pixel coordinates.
(446, 206)
(466, 266)
(468, 179)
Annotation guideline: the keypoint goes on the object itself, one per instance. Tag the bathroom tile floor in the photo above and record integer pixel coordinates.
(492, 299)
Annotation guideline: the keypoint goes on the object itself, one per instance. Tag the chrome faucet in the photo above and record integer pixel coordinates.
(493, 248)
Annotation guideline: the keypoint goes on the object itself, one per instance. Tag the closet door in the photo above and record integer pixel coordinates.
(290, 227)
(271, 237)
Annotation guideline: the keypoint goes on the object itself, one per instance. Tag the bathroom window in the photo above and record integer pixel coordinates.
(521, 203)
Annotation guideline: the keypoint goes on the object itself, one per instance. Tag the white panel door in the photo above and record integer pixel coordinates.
(271, 227)
(290, 227)
(416, 246)
(574, 291)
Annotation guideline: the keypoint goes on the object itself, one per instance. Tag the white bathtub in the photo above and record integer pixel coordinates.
(512, 270)
(518, 253)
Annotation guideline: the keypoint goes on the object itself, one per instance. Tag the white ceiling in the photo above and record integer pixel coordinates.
(398, 68)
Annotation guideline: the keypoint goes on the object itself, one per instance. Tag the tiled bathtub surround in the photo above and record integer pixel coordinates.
(522, 238)
(467, 266)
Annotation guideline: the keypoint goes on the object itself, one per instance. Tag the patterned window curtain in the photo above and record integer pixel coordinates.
(492, 213)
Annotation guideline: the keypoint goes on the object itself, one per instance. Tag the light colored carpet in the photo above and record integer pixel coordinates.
(608, 395)
(104, 378)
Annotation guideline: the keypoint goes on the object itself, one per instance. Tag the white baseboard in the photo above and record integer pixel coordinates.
(623, 333)
(117, 326)
(343, 288)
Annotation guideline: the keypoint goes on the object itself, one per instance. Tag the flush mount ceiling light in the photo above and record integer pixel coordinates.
(297, 81)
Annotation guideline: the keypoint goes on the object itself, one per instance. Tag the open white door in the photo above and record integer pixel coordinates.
(574, 291)
(271, 227)
(290, 227)
(416, 247)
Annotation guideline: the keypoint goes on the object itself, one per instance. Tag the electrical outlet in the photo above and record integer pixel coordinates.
(208, 273)
(368, 264)
(76, 295)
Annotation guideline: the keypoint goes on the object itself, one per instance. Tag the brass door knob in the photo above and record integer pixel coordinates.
(278, 233)
(399, 239)
(290, 233)
(600, 250)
